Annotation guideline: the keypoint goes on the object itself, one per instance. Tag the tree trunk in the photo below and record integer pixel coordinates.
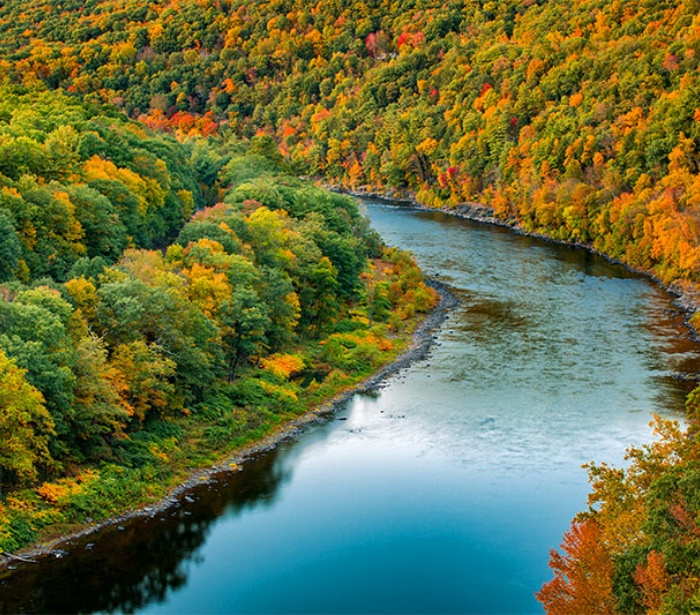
(234, 363)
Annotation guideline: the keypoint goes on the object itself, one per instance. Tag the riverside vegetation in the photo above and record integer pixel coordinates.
(139, 341)
(576, 120)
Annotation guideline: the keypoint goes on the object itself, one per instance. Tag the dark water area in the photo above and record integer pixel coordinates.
(444, 491)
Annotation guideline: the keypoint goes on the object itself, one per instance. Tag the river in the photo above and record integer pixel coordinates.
(443, 491)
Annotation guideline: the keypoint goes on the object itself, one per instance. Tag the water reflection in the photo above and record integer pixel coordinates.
(144, 559)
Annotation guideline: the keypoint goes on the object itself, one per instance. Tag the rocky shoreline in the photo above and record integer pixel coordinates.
(687, 300)
(421, 341)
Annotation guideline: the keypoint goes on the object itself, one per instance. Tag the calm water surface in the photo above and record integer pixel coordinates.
(441, 493)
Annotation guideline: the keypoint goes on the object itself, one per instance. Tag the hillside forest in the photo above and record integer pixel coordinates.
(119, 120)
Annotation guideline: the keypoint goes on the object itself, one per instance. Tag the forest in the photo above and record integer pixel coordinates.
(162, 303)
(119, 121)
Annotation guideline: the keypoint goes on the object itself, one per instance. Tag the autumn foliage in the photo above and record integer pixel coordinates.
(119, 120)
(636, 549)
(583, 573)
(579, 121)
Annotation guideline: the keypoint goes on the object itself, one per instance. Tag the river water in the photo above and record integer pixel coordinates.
(442, 492)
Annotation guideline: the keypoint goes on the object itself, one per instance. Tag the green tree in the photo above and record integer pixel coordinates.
(245, 321)
(35, 335)
(321, 294)
(10, 249)
(25, 424)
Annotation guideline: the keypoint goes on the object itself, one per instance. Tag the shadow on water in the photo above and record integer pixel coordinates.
(144, 558)
(584, 261)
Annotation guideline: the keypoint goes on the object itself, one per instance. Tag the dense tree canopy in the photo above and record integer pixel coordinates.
(579, 120)
(82, 182)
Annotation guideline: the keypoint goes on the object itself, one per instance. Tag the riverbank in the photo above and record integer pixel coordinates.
(420, 341)
(687, 298)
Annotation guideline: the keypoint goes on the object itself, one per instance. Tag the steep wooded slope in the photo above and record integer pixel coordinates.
(577, 119)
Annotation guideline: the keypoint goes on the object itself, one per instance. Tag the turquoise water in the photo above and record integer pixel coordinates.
(444, 491)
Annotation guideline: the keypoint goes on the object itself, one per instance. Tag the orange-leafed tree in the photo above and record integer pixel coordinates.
(583, 574)
(654, 581)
